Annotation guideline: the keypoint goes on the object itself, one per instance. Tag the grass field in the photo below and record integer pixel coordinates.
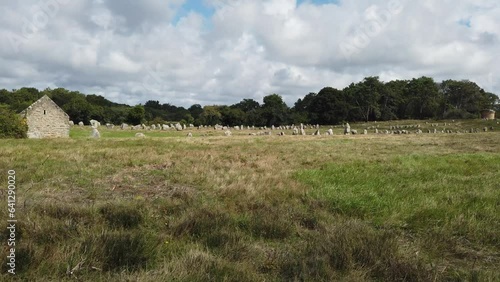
(257, 208)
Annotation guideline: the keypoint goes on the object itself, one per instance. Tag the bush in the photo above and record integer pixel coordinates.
(11, 124)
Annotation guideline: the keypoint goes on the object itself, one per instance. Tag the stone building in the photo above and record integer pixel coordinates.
(488, 114)
(46, 119)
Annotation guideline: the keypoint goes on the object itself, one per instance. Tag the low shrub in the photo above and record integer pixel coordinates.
(11, 124)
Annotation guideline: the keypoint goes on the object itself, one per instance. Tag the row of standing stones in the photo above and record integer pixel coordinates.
(296, 130)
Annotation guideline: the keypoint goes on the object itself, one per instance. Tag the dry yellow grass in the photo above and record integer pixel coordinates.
(260, 207)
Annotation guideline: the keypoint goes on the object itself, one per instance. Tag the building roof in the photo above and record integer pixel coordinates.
(44, 98)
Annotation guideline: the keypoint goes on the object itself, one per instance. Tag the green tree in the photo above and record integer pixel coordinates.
(329, 106)
(252, 111)
(210, 116)
(424, 98)
(154, 110)
(464, 99)
(136, 115)
(62, 96)
(392, 101)
(364, 99)
(274, 110)
(491, 101)
(188, 118)
(232, 116)
(78, 109)
(20, 99)
(98, 100)
(301, 111)
(195, 111)
(117, 114)
(247, 105)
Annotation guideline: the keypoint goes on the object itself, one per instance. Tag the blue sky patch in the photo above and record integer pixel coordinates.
(318, 2)
(200, 7)
(197, 6)
(465, 22)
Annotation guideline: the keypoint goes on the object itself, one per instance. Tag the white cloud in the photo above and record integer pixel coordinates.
(132, 51)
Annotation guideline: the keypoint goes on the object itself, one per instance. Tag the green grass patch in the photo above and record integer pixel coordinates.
(416, 192)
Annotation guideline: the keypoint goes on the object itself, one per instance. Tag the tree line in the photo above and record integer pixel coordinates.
(367, 100)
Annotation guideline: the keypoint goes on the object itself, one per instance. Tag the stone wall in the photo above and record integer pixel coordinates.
(46, 120)
(488, 114)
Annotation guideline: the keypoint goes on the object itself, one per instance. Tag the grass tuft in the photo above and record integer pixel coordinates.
(121, 215)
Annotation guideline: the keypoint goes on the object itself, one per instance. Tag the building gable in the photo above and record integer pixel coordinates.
(46, 119)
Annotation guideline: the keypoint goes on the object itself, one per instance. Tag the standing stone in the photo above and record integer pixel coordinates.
(365, 132)
(71, 123)
(95, 133)
(140, 135)
(329, 132)
(93, 123)
(354, 132)
(228, 133)
(124, 126)
(190, 134)
(295, 131)
(317, 133)
(347, 129)
(153, 127)
(376, 131)
(80, 123)
(302, 131)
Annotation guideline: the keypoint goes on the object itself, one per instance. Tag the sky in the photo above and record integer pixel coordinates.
(218, 52)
